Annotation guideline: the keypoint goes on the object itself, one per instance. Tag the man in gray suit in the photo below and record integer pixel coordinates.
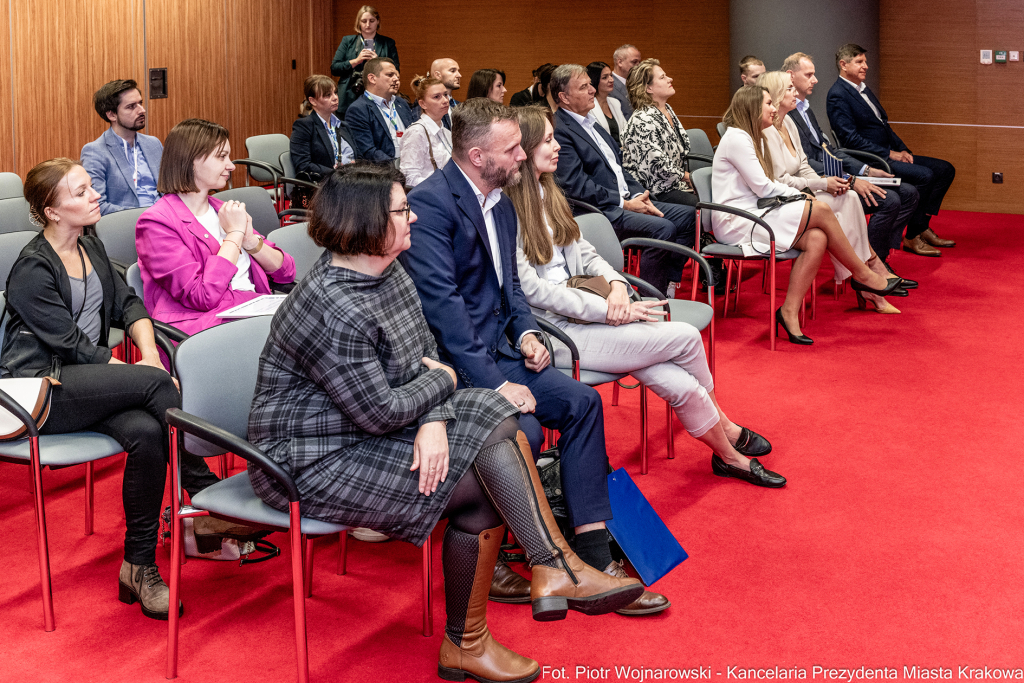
(123, 163)
(625, 58)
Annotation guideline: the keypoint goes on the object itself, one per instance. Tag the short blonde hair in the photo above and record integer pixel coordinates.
(641, 76)
(363, 10)
(775, 83)
(792, 62)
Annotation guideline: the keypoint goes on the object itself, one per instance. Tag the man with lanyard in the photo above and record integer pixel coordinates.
(378, 119)
(123, 163)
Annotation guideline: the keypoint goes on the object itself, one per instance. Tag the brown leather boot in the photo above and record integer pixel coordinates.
(918, 246)
(468, 650)
(648, 603)
(508, 586)
(931, 238)
(561, 580)
(142, 583)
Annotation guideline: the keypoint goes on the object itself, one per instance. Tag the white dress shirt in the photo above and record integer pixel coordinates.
(861, 88)
(420, 139)
(487, 204)
(392, 120)
(588, 122)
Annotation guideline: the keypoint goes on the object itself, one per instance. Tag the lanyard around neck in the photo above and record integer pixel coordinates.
(392, 116)
(133, 159)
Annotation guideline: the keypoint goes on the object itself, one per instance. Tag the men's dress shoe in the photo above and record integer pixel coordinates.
(508, 586)
(904, 282)
(752, 444)
(931, 238)
(648, 603)
(918, 246)
(142, 583)
(758, 475)
(899, 291)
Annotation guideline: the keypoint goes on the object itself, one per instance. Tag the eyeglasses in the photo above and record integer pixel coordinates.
(406, 210)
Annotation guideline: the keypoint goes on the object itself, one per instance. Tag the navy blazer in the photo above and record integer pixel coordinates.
(472, 315)
(310, 145)
(813, 150)
(371, 132)
(583, 171)
(856, 125)
(106, 164)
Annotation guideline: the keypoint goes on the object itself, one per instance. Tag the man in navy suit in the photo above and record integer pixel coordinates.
(860, 122)
(590, 170)
(123, 163)
(378, 118)
(890, 208)
(462, 260)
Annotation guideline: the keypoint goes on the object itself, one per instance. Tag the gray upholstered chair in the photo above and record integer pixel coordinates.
(258, 204)
(217, 391)
(700, 146)
(11, 244)
(720, 127)
(14, 216)
(117, 232)
(11, 185)
(294, 239)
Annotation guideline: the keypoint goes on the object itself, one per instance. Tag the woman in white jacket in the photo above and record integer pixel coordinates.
(618, 335)
(743, 173)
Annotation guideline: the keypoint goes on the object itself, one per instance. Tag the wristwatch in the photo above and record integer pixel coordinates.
(253, 252)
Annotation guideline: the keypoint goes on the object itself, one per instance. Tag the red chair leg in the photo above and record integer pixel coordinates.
(296, 539)
(671, 432)
(770, 265)
(615, 393)
(814, 300)
(177, 554)
(643, 429)
(307, 565)
(739, 285)
(342, 553)
(428, 608)
(89, 499)
(41, 540)
(728, 285)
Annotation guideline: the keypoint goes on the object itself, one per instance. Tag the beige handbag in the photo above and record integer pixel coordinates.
(595, 285)
(32, 394)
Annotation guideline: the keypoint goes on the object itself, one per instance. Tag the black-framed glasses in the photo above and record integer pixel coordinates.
(406, 210)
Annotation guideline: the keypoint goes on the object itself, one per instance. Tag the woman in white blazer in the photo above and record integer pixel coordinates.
(617, 335)
(607, 110)
(743, 173)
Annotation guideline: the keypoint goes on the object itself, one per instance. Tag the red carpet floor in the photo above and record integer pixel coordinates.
(897, 543)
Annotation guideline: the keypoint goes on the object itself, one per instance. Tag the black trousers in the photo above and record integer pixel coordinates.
(932, 178)
(889, 216)
(128, 403)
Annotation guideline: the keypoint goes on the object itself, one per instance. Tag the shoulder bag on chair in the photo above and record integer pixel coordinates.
(32, 394)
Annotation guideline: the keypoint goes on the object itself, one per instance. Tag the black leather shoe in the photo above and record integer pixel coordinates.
(899, 291)
(904, 282)
(752, 444)
(802, 339)
(758, 475)
(890, 287)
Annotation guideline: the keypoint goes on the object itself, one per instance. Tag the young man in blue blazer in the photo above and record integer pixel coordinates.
(378, 118)
(123, 163)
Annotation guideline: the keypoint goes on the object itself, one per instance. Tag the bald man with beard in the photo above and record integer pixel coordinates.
(446, 70)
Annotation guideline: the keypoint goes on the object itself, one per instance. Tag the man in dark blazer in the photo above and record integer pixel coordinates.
(890, 208)
(525, 98)
(378, 118)
(623, 60)
(860, 122)
(123, 163)
(462, 260)
(590, 170)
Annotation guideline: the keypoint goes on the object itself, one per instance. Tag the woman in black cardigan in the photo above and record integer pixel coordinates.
(62, 296)
(319, 142)
(356, 50)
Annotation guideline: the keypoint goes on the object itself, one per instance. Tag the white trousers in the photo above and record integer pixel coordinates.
(668, 357)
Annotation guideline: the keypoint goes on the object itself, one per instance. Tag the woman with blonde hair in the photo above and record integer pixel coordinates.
(355, 50)
(426, 145)
(790, 165)
(742, 173)
(666, 356)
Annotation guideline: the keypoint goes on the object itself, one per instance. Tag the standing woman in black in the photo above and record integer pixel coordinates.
(62, 296)
(356, 50)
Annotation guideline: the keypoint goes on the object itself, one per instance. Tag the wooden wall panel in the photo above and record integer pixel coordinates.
(63, 51)
(933, 75)
(691, 40)
(6, 98)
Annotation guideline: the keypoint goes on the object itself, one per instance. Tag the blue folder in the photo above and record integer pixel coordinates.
(650, 546)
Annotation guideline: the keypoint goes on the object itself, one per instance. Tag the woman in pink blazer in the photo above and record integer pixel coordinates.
(199, 255)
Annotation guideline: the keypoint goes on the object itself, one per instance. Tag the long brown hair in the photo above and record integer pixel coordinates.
(745, 113)
(526, 198)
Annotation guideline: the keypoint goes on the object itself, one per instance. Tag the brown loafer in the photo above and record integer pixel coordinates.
(918, 246)
(931, 238)
(508, 586)
(648, 603)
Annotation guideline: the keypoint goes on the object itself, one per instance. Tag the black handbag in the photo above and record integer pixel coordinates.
(300, 196)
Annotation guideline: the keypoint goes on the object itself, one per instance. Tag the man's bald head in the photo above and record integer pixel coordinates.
(446, 70)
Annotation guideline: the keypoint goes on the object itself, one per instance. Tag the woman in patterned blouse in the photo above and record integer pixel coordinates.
(654, 144)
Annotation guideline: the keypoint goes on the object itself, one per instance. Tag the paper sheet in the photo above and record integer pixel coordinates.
(265, 304)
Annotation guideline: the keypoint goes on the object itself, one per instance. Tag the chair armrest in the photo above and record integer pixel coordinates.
(171, 332)
(737, 212)
(670, 246)
(19, 412)
(164, 343)
(553, 331)
(200, 428)
(253, 163)
(285, 180)
(282, 287)
(867, 158)
(697, 157)
(579, 207)
(644, 287)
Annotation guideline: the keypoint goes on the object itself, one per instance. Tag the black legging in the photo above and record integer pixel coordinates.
(468, 509)
(128, 403)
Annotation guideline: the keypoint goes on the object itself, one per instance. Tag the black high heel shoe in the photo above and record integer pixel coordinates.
(891, 286)
(793, 339)
(904, 282)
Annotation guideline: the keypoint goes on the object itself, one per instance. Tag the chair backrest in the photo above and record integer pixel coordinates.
(720, 127)
(10, 186)
(286, 164)
(268, 149)
(294, 239)
(217, 369)
(701, 179)
(14, 216)
(133, 276)
(3, 320)
(258, 204)
(117, 232)
(700, 143)
(11, 244)
(598, 230)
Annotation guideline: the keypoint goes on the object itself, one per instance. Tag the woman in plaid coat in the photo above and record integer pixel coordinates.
(352, 401)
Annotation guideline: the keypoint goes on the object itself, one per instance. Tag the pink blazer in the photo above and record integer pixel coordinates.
(184, 282)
